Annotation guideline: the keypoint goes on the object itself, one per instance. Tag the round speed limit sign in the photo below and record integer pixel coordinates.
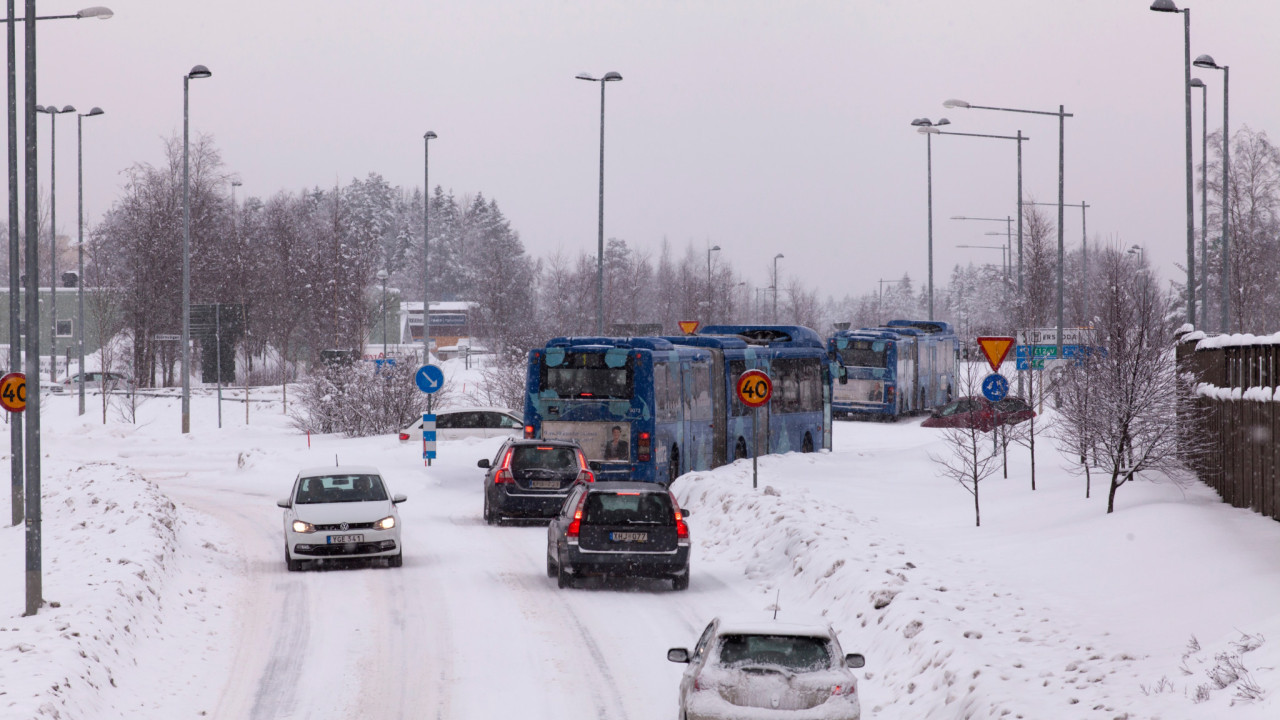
(754, 388)
(13, 392)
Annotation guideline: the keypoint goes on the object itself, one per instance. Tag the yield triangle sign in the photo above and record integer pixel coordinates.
(688, 327)
(995, 348)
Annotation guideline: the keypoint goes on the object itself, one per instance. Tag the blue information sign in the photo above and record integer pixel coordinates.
(430, 378)
(995, 387)
(428, 436)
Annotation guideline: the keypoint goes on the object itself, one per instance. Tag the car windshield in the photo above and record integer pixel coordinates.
(340, 488)
(628, 508)
(794, 652)
(544, 457)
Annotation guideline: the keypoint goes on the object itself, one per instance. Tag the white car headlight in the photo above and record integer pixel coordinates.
(300, 526)
(385, 523)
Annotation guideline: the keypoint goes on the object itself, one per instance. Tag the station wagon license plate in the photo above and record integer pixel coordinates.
(544, 484)
(341, 539)
(629, 536)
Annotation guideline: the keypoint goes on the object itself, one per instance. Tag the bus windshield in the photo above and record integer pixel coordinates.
(864, 353)
(588, 375)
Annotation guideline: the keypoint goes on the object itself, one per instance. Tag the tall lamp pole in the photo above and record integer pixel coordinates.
(1168, 6)
(925, 124)
(53, 112)
(382, 277)
(775, 286)
(608, 77)
(1062, 115)
(197, 72)
(1084, 247)
(80, 246)
(426, 246)
(1204, 200)
(1019, 138)
(710, 296)
(1206, 61)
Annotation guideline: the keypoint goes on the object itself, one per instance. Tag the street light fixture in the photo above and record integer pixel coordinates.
(1206, 61)
(924, 125)
(1004, 259)
(608, 78)
(53, 112)
(1136, 250)
(198, 72)
(1204, 200)
(382, 277)
(1168, 6)
(775, 286)
(80, 245)
(1018, 138)
(1008, 232)
(426, 247)
(1062, 115)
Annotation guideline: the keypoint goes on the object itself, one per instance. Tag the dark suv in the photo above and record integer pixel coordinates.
(626, 528)
(531, 478)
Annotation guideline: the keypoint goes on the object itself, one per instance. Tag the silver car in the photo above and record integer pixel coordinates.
(341, 512)
(778, 669)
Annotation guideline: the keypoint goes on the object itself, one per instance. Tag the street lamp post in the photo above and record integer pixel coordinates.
(1168, 6)
(775, 287)
(80, 246)
(1004, 258)
(1062, 115)
(382, 277)
(1137, 250)
(1205, 61)
(1019, 138)
(426, 246)
(1084, 249)
(197, 72)
(924, 125)
(1008, 232)
(608, 77)
(710, 296)
(1204, 200)
(53, 112)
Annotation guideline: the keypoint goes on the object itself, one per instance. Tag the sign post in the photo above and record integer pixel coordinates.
(754, 388)
(429, 378)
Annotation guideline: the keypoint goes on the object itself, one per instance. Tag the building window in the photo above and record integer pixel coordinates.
(63, 328)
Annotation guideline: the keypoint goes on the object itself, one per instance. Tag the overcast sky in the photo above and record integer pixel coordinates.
(761, 127)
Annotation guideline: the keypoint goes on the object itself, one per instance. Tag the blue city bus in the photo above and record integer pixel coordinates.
(902, 368)
(653, 408)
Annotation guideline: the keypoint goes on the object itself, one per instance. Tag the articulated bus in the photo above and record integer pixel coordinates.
(902, 368)
(653, 408)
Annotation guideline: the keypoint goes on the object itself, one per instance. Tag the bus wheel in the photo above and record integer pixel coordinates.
(673, 467)
(740, 450)
(807, 446)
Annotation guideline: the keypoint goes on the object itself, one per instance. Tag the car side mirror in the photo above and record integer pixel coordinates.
(286, 504)
(397, 499)
(681, 655)
(686, 512)
(483, 464)
(594, 465)
(854, 660)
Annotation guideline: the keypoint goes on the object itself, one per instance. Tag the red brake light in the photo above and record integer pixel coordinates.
(889, 394)
(642, 447)
(528, 431)
(682, 528)
(504, 474)
(586, 476)
(575, 525)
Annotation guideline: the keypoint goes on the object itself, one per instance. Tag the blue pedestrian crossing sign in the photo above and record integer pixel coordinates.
(995, 387)
(430, 378)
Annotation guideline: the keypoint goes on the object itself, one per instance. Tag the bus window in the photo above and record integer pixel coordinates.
(701, 391)
(864, 353)
(810, 385)
(588, 375)
(736, 368)
(665, 410)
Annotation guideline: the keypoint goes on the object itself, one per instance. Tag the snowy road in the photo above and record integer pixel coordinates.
(470, 627)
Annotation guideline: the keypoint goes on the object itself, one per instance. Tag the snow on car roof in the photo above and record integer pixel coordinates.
(757, 626)
(340, 470)
(478, 408)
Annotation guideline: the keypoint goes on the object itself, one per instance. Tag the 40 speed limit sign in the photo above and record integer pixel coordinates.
(13, 392)
(754, 388)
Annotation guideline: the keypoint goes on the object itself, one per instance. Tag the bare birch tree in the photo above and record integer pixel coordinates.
(970, 454)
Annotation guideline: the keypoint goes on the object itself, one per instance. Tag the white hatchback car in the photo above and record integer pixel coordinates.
(341, 512)
(753, 668)
(468, 422)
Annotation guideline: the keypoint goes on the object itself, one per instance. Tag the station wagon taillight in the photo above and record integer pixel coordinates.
(682, 528)
(504, 474)
(642, 447)
(575, 526)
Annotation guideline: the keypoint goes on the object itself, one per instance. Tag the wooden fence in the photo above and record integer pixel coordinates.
(1243, 460)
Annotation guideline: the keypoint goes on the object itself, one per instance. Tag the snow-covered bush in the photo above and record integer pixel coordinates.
(358, 399)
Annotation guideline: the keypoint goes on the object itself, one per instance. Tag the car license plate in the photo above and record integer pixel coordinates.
(629, 537)
(544, 484)
(340, 539)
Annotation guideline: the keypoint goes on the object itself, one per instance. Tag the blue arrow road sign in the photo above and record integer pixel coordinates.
(430, 378)
(995, 387)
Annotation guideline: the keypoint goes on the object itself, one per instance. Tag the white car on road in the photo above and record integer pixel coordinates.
(341, 512)
(469, 422)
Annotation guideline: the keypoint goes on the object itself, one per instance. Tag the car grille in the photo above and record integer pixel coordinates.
(345, 549)
(350, 526)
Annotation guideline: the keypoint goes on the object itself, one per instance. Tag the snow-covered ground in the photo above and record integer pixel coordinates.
(168, 595)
